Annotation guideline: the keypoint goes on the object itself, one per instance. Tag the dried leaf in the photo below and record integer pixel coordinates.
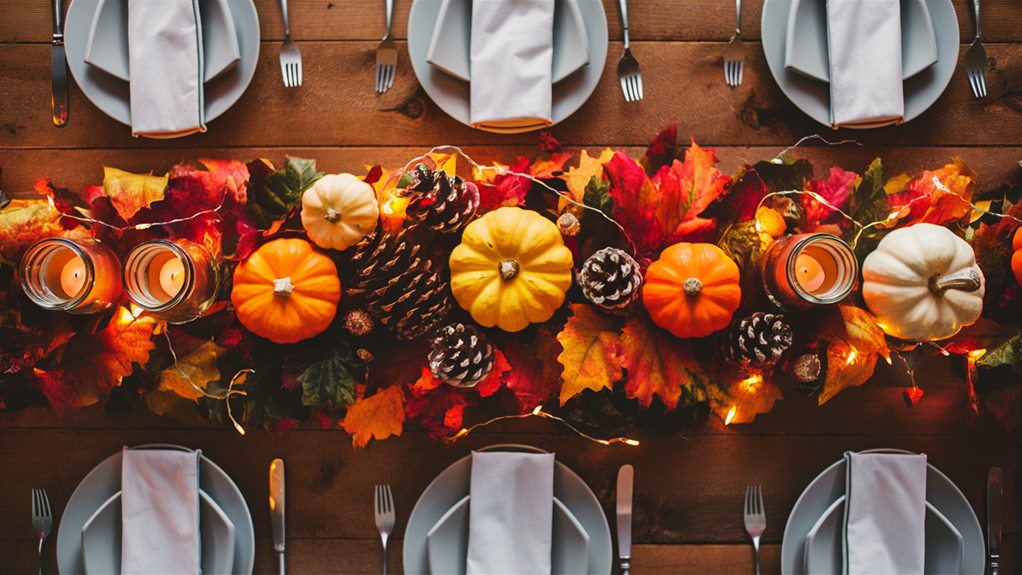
(534, 378)
(197, 366)
(577, 178)
(835, 190)
(24, 222)
(926, 201)
(744, 399)
(590, 343)
(129, 192)
(376, 417)
(662, 150)
(855, 342)
(657, 363)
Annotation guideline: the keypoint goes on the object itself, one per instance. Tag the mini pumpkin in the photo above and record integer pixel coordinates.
(511, 269)
(1016, 256)
(922, 283)
(339, 210)
(692, 290)
(286, 291)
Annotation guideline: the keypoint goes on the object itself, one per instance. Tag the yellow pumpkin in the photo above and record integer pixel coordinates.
(511, 269)
(339, 210)
(286, 291)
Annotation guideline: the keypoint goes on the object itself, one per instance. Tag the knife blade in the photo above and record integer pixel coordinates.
(277, 493)
(625, 478)
(995, 509)
(58, 68)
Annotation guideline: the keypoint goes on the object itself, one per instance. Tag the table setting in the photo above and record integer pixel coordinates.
(588, 355)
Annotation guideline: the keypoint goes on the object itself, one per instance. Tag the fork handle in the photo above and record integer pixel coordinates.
(390, 14)
(384, 554)
(624, 21)
(41, 540)
(975, 16)
(287, 26)
(738, 18)
(755, 546)
(280, 563)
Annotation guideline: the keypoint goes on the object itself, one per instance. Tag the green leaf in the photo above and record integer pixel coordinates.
(597, 195)
(274, 194)
(1008, 355)
(328, 380)
(789, 174)
(296, 177)
(869, 204)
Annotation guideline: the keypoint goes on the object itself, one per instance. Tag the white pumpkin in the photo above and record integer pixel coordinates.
(339, 210)
(922, 283)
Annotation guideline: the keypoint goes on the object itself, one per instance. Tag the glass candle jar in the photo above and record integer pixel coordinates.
(175, 281)
(804, 270)
(76, 276)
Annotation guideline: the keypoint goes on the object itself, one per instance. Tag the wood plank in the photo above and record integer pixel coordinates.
(683, 84)
(671, 20)
(80, 167)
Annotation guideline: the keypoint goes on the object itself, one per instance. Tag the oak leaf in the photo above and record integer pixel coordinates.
(855, 342)
(657, 364)
(130, 192)
(376, 417)
(589, 357)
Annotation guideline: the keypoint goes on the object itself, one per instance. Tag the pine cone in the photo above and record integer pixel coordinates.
(759, 339)
(397, 280)
(461, 356)
(611, 279)
(441, 202)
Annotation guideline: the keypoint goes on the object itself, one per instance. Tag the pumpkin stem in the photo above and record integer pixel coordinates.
(332, 215)
(508, 269)
(692, 286)
(968, 280)
(283, 287)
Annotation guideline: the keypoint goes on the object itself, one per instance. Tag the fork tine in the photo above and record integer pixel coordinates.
(748, 500)
(46, 500)
(35, 502)
(638, 80)
(741, 70)
(983, 83)
(390, 499)
(379, 78)
(759, 500)
(390, 79)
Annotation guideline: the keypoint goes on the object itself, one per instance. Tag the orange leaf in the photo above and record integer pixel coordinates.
(24, 222)
(129, 192)
(686, 189)
(855, 342)
(923, 200)
(577, 178)
(589, 358)
(657, 363)
(745, 399)
(377, 417)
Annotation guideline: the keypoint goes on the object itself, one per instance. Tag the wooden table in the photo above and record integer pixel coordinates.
(690, 484)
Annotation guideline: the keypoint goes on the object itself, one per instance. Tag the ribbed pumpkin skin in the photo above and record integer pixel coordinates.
(698, 315)
(310, 307)
(1016, 257)
(544, 269)
(339, 210)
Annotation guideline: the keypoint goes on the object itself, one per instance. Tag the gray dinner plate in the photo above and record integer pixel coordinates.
(813, 97)
(105, 480)
(452, 485)
(828, 486)
(452, 94)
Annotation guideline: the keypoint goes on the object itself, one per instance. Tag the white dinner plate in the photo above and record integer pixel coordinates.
(105, 480)
(101, 538)
(452, 94)
(813, 97)
(452, 485)
(824, 555)
(829, 485)
(447, 542)
(807, 51)
(111, 95)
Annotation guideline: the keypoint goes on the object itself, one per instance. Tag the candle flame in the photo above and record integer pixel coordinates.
(731, 415)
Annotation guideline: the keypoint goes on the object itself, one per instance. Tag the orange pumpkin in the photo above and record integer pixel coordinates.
(1016, 256)
(286, 291)
(692, 290)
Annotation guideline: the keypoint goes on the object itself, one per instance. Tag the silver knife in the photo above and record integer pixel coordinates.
(995, 493)
(58, 67)
(625, 478)
(277, 508)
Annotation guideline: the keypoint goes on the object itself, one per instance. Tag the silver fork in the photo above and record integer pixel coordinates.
(386, 56)
(755, 517)
(384, 510)
(734, 53)
(290, 55)
(976, 59)
(42, 520)
(628, 68)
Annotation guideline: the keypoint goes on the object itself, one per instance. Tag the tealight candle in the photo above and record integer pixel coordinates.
(809, 269)
(76, 276)
(175, 281)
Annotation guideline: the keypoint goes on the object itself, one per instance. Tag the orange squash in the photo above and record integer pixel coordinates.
(692, 290)
(1016, 256)
(286, 291)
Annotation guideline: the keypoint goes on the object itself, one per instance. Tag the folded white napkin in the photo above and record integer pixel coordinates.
(511, 61)
(510, 513)
(885, 514)
(159, 512)
(864, 39)
(165, 63)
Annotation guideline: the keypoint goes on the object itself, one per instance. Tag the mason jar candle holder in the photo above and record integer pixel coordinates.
(804, 270)
(77, 276)
(175, 281)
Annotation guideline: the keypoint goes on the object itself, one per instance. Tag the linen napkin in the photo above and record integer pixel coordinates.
(165, 63)
(510, 520)
(511, 62)
(159, 512)
(885, 513)
(864, 39)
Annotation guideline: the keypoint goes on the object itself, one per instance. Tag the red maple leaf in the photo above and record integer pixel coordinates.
(838, 186)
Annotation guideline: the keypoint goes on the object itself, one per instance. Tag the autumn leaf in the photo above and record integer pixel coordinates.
(439, 409)
(657, 364)
(855, 341)
(744, 399)
(534, 378)
(577, 177)
(275, 193)
(936, 196)
(835, 190)
(328, 380)
(549, 166)
(230, 176)
(376, 417)
(24, 222)
(662, 150)
(739, 201)
(495, 380)
(589, 357)
(129, 192)
(197, 367)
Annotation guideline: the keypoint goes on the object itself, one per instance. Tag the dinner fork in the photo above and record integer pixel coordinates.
(290, 55)
(384, 511)
(734, 53)
(42, 520)
(386, 56)
(976, 59)
(755, 517)
(628, 68)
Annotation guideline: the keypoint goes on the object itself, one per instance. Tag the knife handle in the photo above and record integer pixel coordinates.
(626, 565)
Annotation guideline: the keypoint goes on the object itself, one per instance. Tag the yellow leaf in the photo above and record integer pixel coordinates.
(745, 399)
(589, 358)
(855, 342)
(24, 222)
(446, 162)
(377, 417)
(196, 367)
(129, 192)
(577, 178)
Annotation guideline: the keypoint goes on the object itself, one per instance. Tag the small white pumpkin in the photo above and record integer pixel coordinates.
(922, 283)
(339, 210)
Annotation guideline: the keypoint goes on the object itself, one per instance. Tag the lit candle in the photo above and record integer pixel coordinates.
(72, 276)
(809, 269)
(175, 281)
(81, 276)
(172, 276)
(809, 272)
